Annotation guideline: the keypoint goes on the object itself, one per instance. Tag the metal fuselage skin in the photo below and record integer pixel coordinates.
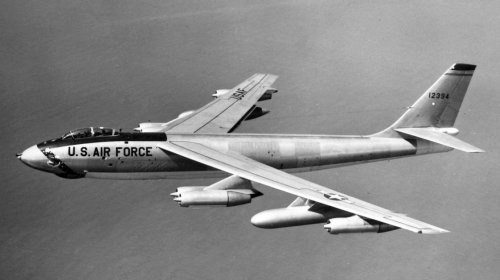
(137, 155)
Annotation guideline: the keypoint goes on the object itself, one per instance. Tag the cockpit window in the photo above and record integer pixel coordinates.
(90, 132)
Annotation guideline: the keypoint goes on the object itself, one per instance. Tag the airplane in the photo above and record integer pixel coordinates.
(200, 143)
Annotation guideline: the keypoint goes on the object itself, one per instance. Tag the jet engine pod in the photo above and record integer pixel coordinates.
(220, 92)
(356, 224)
(287, 217)
(181, 190)
(185, 114)
(256, 113)
(148, 127)
(213, 198)
(268, 94)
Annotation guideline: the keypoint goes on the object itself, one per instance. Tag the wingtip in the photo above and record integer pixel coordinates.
(463, 67)
(432, 231)
(473, 150)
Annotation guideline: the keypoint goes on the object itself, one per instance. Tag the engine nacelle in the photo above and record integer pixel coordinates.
(184, 114)
(268, 94)
(213, 198)
(181, 190)
(256, 113)
(293, 216)
(148, 126)
(356, 224)
(220, 92)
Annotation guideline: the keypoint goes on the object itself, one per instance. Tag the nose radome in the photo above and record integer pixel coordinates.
(33, 157)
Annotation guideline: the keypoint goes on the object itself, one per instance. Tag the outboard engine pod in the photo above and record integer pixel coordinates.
(356, 224)
(213, 198)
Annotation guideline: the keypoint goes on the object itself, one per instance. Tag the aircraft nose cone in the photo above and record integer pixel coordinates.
(32, 157)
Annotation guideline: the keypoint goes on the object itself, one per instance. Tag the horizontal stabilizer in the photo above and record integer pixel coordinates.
(434, 135)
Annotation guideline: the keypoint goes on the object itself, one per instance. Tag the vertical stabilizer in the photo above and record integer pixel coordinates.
(439, 105)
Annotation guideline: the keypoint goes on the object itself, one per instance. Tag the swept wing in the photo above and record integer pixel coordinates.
(250, 169)
(226, 111)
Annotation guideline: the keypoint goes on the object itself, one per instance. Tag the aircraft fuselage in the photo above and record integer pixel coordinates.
(137, 155)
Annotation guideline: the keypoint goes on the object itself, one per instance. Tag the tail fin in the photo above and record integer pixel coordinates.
(439, 105)
(432, 117)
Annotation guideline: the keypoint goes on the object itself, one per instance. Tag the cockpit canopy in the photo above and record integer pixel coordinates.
(90, 132)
